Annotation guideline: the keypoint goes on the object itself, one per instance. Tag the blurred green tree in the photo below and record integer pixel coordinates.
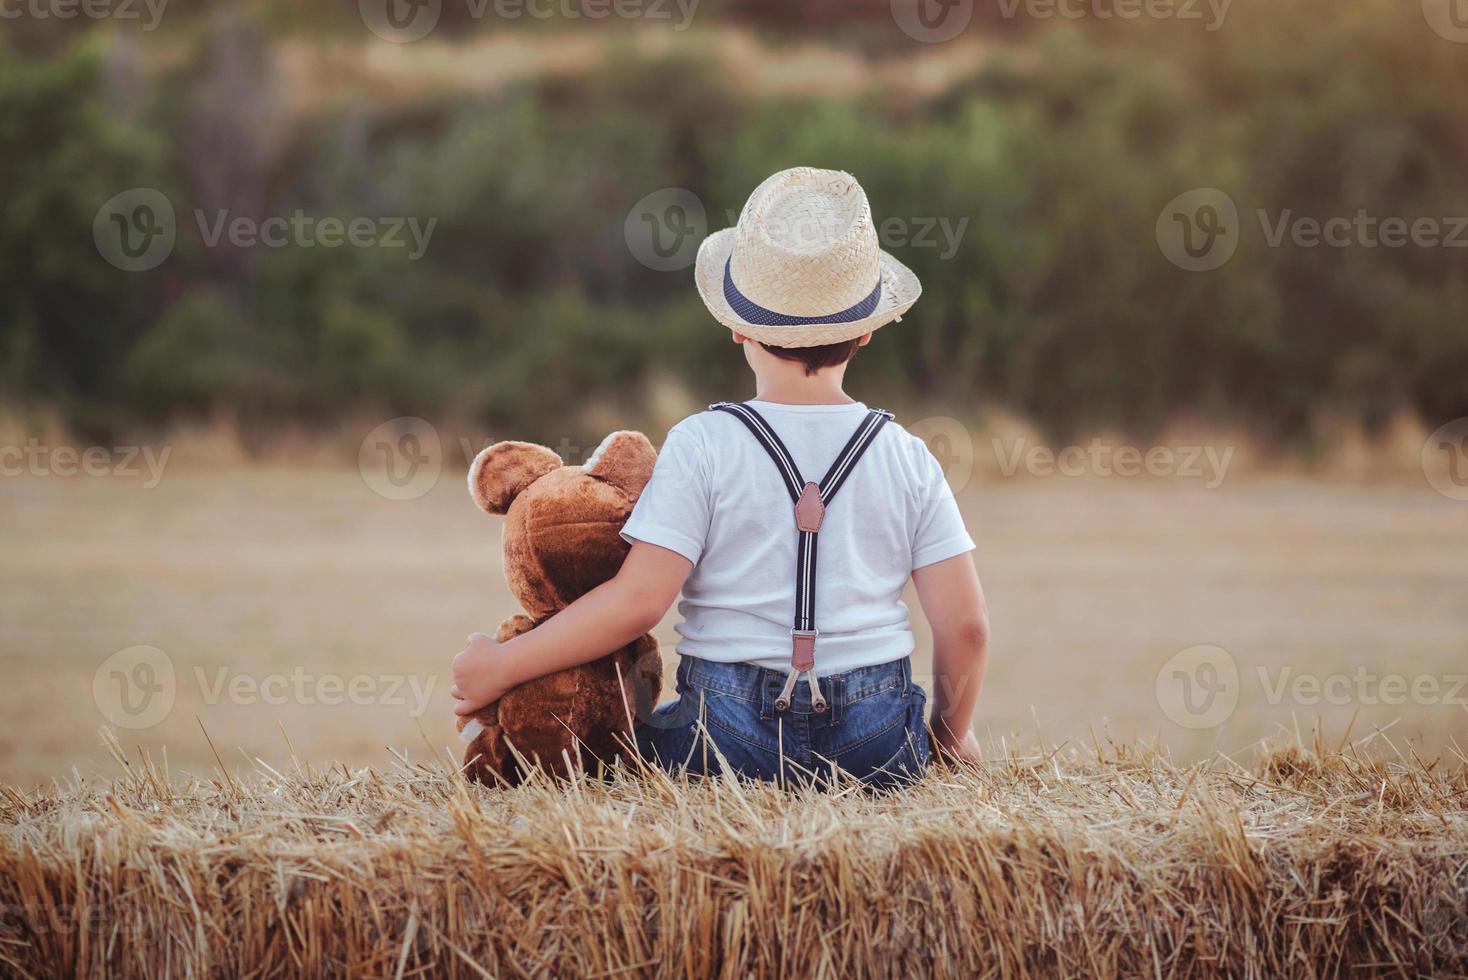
(67, 318)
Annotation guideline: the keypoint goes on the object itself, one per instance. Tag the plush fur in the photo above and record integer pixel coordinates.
(561, 540)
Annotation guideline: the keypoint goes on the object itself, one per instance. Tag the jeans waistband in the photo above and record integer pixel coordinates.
(762, 685)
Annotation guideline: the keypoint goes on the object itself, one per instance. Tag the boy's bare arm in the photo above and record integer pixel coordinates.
(953, 601)
(609, 616)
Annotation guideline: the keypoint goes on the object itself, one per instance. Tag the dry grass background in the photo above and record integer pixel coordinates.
(1094, 584)
(353, 849)
(1107, 861)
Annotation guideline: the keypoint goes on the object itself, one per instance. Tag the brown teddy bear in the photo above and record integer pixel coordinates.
(561, 540)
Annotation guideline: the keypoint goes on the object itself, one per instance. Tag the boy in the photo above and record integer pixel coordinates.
(733, 515)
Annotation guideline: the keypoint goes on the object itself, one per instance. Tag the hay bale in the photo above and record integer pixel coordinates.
(1105, 864)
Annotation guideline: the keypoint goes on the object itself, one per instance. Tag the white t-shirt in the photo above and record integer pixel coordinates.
(716, 499)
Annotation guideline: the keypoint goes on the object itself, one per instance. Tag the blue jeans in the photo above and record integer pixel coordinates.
(873, 730)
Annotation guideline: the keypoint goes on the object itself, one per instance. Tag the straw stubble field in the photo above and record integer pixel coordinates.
(315, 831)
(299, 599)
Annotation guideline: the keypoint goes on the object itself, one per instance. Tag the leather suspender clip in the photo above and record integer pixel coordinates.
(802, 661)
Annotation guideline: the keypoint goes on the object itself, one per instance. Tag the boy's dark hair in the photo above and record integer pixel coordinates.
(815, 358)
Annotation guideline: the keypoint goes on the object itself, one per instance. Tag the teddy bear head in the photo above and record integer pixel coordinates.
(562, 523)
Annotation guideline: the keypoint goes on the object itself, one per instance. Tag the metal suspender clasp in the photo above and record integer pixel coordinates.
(818, 701)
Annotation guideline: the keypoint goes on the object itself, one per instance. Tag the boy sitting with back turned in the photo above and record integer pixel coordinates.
(800, 505)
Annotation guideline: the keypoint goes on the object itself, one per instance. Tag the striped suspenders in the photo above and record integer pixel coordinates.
(811, 501)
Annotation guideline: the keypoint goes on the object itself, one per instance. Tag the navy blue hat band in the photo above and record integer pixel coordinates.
(751, 312)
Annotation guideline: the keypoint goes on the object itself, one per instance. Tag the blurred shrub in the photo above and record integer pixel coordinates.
(1025, 197)
(812, 14)
(66, 317)
(198, 358)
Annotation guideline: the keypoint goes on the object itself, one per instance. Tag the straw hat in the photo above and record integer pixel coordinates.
(804, 267)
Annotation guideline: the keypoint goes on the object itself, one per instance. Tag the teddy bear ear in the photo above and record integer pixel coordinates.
(503, 470)
(625, 460)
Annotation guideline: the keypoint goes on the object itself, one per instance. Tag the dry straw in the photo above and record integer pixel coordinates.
(1108, 862)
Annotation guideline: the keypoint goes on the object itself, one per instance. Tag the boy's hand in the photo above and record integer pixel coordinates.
(964, 749)
(953, 601)
(479, 675)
